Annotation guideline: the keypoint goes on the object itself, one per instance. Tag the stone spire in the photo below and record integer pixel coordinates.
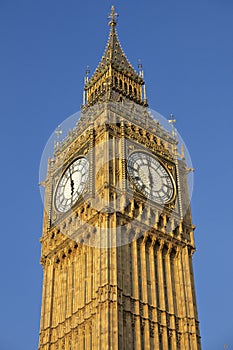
(114, 79)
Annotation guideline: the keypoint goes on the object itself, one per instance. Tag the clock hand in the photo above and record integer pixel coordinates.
(72, 187)
(71, 184)
(150, 174)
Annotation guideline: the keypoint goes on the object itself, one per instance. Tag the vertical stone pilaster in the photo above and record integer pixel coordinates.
(152, 258)
(136, 295)
(182, 303)
(162, 296)
(95, 332)
(69, 290)
(172, 325)
(145, 271)
(192, 315)
(76, 284)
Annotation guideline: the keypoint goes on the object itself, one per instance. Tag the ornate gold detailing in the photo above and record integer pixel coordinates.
(113, 17)
(114, 79)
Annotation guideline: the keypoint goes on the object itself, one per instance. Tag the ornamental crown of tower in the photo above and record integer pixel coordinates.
(114, 79)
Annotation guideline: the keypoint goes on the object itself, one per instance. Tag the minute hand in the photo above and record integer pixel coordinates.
(150, 174)
(71, 183)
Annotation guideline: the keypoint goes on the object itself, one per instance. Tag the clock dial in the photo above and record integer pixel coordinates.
(71, 184)
(150, 177)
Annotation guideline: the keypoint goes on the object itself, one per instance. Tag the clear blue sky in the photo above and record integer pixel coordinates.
(187, 52)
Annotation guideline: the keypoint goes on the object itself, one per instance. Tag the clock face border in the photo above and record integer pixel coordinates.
(166, 173)
(71, 174)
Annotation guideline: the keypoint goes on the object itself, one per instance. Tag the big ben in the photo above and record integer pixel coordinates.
(118, 237)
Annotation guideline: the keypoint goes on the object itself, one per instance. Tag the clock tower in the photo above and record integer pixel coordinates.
(117, 239)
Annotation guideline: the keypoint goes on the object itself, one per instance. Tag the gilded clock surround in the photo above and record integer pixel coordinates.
(117, 266)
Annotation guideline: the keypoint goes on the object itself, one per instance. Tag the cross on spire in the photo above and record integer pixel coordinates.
(113, 16)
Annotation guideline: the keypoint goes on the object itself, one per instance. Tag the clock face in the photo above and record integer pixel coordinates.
(71, 184)
(150, 177)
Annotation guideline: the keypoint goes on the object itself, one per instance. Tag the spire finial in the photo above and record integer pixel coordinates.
(141, 75)
(87, 74)
(113, 17)
(172, 121)
(58, 133)
(86, 79)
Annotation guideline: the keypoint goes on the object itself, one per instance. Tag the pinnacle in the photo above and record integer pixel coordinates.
(114, 56)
